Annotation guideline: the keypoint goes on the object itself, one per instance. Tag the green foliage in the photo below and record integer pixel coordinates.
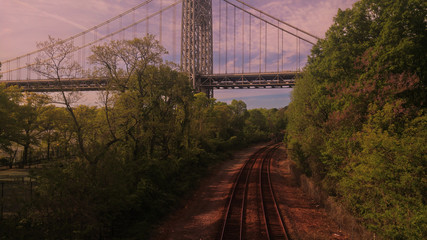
(30, 110)
(114, 171)
(9, 119)
(388, 176)
(6, 117)
(356, 120)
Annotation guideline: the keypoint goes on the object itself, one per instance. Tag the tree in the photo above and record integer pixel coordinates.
(47, 126)
(30, 110)
(124, 62)
(256, 126)
(137, 155)
(56, 63)
(240, 114)
(363, 89)
(200, 110)
(10, 130)
(134, 70)
(56, 131)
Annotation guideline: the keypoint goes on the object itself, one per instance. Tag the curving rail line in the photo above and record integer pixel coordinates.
(234, 221)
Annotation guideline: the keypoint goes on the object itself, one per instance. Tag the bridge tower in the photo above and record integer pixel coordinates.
(197, 41)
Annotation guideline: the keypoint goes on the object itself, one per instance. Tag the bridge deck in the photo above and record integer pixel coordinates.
(230, 80)
(249, 80)
(49, 85)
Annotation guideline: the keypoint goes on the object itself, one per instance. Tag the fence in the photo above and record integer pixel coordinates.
(15, 194)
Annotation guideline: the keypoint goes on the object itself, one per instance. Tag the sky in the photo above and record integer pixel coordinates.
(23, 23)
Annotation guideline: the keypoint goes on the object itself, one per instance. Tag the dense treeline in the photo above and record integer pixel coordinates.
(125, 164)
(357, 120)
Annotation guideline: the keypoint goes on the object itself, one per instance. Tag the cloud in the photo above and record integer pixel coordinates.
(312, 16)
(5, 31)
(63, 18)
(51, 15)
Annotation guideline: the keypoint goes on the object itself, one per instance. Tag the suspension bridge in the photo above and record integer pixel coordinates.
(229, 44)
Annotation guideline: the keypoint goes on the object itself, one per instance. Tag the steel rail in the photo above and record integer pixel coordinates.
(273, 222)
(279, 215)
(248, 167)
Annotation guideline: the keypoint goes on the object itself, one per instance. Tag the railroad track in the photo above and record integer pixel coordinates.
(275, 227)
(253, 183)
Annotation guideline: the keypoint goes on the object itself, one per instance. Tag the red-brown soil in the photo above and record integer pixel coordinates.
(202, 216)
(304, 218)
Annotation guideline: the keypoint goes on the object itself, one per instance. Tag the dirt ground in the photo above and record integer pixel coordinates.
(14, 174)
(304, 217)
(202, 216)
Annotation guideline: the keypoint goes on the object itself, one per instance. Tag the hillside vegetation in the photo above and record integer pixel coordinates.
(357, 120)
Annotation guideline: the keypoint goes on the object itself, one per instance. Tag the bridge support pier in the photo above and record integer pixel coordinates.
(208, 91)
(196, 40)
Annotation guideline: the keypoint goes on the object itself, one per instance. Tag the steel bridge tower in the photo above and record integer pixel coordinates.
(197, 42)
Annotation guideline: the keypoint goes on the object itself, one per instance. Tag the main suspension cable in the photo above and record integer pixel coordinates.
(110, 34)
(86, 31)
(269, 23)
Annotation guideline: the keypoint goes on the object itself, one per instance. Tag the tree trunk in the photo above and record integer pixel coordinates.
(48, 149)
(25, 155)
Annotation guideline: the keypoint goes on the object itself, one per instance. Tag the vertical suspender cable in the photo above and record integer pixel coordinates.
(28, 67)
(174, 35)
(96, 34)
(182, 60)
(83, 63)
(108, 30)
(299, 60)
(219, 40)
(226, 38)
(296, 52)
(299, 54)
(243, 42)
(79, 57)
(74, 53)
(283, 55)
(122, 33)
(260, 43)
(8, 71)
(19, 68)
(234, 40)
(160, 22)
(134, 27)
(250, 41)
(147, 23)
(278, 47)
(265, 48)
